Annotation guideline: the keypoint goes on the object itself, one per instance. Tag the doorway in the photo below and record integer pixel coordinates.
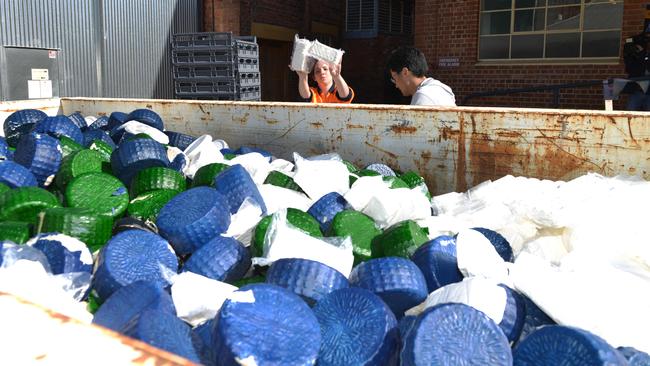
(279, 84)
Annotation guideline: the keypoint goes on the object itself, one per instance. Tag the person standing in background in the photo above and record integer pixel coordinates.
(331, 87)
(408, 67)
(637, 64)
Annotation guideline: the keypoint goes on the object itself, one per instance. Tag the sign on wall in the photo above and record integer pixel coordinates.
(448, 62)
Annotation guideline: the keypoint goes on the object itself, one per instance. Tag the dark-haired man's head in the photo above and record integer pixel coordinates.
(409, 57)
(407, 67)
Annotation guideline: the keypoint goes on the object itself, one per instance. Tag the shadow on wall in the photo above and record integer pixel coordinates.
(364, 67)
(164, 85)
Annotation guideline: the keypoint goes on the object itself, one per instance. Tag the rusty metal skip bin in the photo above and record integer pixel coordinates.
(453, 148)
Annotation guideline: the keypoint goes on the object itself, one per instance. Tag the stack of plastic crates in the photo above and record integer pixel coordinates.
(217, 66)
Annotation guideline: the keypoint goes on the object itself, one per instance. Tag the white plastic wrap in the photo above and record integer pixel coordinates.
(278, 198)
(243, 222)
(135, 127)
(594, 295)
(25, 273)
(300, 59)
(480, 293)
(283, 166)
(320, 177)
(477, 257)
(198, 298)
(375, 198)
(284, 241)
(256, 164)
(199, 153)
(89, 120)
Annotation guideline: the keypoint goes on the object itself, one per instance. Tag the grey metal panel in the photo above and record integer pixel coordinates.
(137, 45)
(59, 24)
(111, 48)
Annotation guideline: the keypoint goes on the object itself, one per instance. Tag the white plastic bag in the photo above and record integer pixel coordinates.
(282, 240)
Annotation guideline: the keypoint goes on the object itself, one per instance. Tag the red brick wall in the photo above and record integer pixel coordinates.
(221, 16)
(450, 29)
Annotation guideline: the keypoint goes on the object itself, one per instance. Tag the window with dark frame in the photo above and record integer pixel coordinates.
(368, 18)
(550, 29)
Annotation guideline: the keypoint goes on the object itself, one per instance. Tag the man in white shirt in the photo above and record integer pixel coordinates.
(408, 66)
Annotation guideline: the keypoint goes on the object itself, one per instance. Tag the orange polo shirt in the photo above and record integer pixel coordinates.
(331, 96)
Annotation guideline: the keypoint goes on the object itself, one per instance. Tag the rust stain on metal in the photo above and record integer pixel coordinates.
(422, 165)
(508, 134)
(401, 128)
(394, 156)
(317, 124)
(461, 182)
(557, 162)
(352, 126)
(629, 128)
(490, 159)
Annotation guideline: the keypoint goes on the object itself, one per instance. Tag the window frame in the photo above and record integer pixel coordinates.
(362, 33)
(377, 29)
(545, 32)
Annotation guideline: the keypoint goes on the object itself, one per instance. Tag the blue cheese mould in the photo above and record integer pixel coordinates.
(129, 301)
(309, 279)
(398, 281)
(569, 346)
(357, 329)
(15, 175)
(192, 218)
(41, 154)
(264, 324)
(21, 123)
(438, 262)
(130, 256)
(222, 259)
(455, 334)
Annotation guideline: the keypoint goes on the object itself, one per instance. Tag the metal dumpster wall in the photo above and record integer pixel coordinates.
(454, 148)
(34, 335)
(50, 106)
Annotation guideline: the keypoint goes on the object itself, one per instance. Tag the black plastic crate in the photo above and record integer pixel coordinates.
(248, 64)
(205, 87)
(223, 56)
(245, 93)
(250, 97)
(207, 72)
(249, 78)
(202, 40)
(247, 49)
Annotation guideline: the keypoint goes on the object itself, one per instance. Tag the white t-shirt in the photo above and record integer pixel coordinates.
(433, 92)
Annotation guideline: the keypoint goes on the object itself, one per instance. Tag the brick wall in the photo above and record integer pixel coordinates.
(450, 29)
(221, 16)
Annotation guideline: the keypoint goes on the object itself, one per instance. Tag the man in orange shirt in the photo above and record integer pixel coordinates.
(331, 87)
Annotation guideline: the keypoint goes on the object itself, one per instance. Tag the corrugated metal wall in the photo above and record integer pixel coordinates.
(109, 48)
